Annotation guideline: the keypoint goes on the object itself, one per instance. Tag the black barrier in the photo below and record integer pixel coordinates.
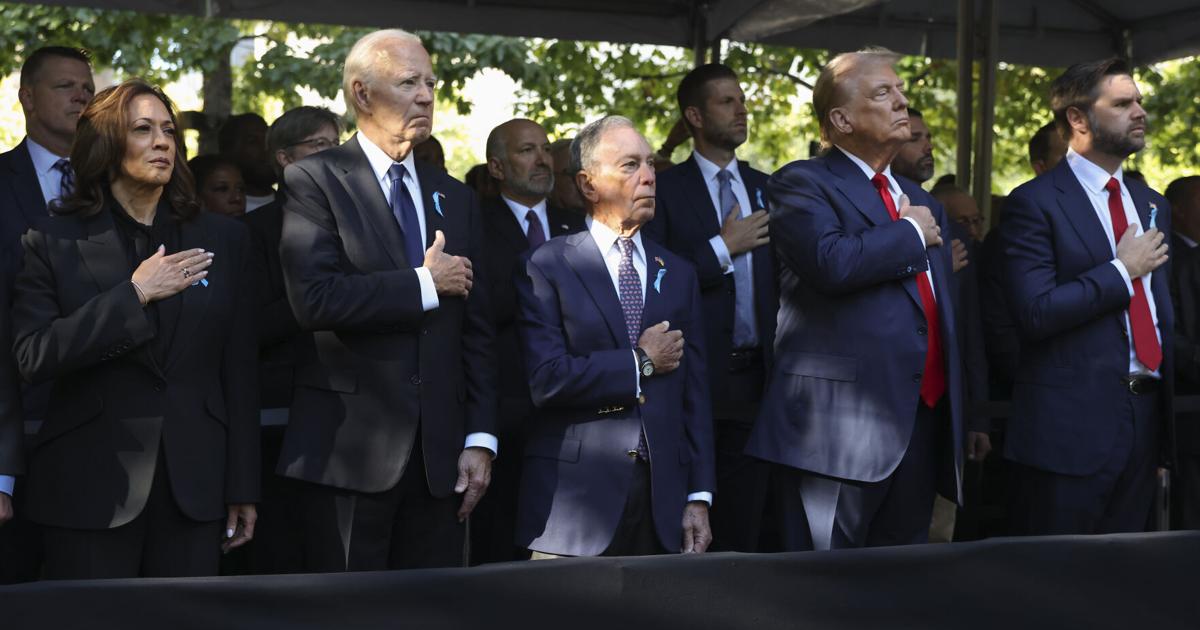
(1133, 581)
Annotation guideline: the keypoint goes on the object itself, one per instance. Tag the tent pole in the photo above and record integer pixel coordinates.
(699, 33)
(966, 58)
(987, 111)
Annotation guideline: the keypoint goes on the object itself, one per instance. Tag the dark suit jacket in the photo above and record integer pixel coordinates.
(1069, 303)
(78, 324)
(583, 379)
(279, 336)
(684, 221)
(1185, 295)
(381, 366)
(969, 319)
(1001, 339)
(21, 205)
(12, 426)
(502, 250)
(851, 344)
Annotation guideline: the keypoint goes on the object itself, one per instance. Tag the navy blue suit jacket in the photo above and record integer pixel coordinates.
(583, 380)
(851, 343)
(1069, 303)
(684, 221)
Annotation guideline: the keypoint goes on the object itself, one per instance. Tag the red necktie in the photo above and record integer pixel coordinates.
(1145, 340)
(933, 382)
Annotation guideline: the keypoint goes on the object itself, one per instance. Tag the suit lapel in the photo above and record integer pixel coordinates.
(857, 187)
(656, 307)
(434, 199)
(507, 226)
(696, 190)
(358, 179)
(26, 186)
(583, 256)
(194, 234)
(1141, 203)
(1074, 202)
(562, 221)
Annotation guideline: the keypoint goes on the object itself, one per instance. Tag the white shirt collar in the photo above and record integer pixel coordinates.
(381, 162)
(709, 169)
(1090, 175)
(521, 210)
(43, 159)
(606, 238)
(893, 185)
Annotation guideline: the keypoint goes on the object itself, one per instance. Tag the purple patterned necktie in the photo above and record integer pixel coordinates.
(535, 234)
(631, 291)
(68, 177)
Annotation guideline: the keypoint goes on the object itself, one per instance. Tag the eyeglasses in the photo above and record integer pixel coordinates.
(319, 144)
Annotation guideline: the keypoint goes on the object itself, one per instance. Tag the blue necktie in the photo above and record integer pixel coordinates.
(406, 215)
(631, 308)
(745, 329)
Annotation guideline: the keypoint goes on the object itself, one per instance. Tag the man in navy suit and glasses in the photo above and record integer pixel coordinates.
(863, 414)
(1084, 249)
(619, 454)
(711, 210)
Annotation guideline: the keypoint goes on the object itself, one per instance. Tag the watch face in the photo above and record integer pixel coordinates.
(648, 369)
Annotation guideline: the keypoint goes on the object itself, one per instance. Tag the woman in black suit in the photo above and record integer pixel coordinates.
(138, 309)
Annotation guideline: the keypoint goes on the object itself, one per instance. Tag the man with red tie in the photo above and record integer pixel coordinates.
(863, 414)
(1083, 252)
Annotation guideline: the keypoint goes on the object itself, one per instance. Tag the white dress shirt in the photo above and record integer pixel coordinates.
(606, 240)
(894, 190)
(381, 163)
(1093, 179)
(49, 177)
(520, 212)
(709, 171)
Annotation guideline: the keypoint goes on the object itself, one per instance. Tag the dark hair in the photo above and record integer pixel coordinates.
(693, 89)
(38, 58)
(203, 166)
(233, 129)
(913, 112)
(1079, 87)
(294, 126)
(1039, 144)
(1177, 191)
(99, 149)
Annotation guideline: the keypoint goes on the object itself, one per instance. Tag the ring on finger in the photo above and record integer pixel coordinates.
(186, 273)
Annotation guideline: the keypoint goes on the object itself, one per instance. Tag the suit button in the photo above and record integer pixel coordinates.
(921, 330)
(160, 385)
(415, 380)
(642, 399)
(424, 331)
(917, 377)
(632, 453)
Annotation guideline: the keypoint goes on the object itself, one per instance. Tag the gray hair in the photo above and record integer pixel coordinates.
(583, 147)
(830, 91)
(364, 59)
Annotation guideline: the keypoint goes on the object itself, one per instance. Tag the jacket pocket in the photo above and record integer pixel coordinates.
(827, 366)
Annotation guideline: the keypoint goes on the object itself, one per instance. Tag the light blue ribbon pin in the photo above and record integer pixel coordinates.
(758, 195)
(437, 203)
(1153, 216)
(658, 280)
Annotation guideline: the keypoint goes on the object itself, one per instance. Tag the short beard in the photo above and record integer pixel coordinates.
(529, 189)
(1112, 143)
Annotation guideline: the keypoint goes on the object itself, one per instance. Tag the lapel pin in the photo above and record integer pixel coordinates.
(437, 203)
(759, 198)
(1153, 215)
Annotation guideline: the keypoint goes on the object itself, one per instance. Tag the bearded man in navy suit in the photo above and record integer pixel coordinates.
(863, 414)
(619, 455)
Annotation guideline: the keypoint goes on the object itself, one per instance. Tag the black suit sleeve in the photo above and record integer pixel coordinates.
(240, 385)
(479, 336)
(49, 343)
(11, 426)
(276, 322)
(326, 292)
(700, 253)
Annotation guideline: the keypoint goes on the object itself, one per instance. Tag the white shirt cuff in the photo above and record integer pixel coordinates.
(917, 227)
(483, 440)
(1116, 262)
(429, 296)
(723, 258)
(6, 484)
(637, 370)
(701, 496)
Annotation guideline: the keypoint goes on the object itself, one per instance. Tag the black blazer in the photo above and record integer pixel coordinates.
(279, 336)
(381, 367)
(77, 324)
(502, 250)
(684, 221)
(12, 428)
(1185, 295)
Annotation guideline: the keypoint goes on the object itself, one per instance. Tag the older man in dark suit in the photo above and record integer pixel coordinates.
(864, 410)
(394, 410)
(1083, 253)
(619, 458)
(520, 219)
